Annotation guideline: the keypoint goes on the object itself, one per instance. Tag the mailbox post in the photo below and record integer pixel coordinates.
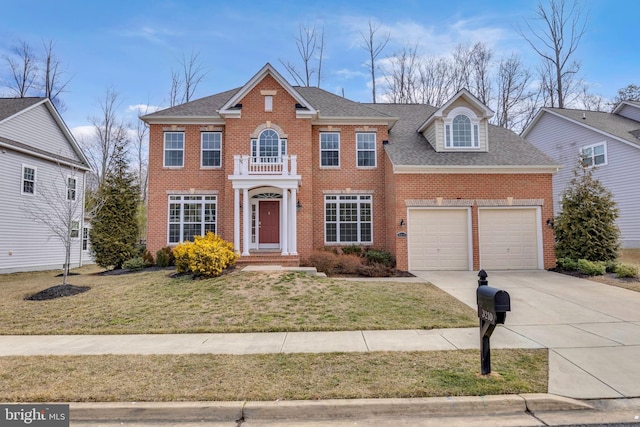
(493, 305)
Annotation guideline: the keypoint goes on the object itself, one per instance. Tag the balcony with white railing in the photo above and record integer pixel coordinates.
(249, 166)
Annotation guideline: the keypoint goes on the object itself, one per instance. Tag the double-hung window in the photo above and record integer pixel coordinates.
(348, 219)
(75, 229)
(330, 149)
(174, 149)
(28, 180)
(85, 238)
(595, 154)
(366, 149)
(211, 149)
(71, 188)
(191, 216)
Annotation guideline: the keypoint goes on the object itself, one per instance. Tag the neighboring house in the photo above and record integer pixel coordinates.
(609, 141)
(276, 168)
(39, 160)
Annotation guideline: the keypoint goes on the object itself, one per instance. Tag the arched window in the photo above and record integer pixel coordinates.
(268, 147)
(461, 129)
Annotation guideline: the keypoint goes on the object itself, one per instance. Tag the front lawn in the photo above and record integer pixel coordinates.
(153, 302)
(190, 377)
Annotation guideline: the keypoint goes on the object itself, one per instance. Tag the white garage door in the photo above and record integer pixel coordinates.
(438, 239)
(508, 239)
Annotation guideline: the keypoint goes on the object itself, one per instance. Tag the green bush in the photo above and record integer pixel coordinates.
(136, 263)
(206, 256)
(626, 270)
(611, 266)
(375, 256)
(165, 258)
(567, 264)
(352, 250)
(591, 268)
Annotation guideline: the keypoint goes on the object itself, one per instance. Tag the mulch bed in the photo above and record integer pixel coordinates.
(58, 291)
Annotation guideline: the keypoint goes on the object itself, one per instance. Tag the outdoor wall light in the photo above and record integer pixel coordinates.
(550, 223)
(402, 223)
(298, 206)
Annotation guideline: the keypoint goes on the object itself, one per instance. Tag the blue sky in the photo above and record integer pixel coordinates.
(132, 45)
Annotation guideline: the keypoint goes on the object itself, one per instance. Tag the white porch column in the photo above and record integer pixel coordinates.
(284, 240)
(236, 221)
(246, 226)
(293, 221)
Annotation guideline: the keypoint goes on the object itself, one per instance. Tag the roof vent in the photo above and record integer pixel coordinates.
(385, 141)
(238, 106)
(584, 116)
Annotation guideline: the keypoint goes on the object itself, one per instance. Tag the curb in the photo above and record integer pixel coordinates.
(323, 409)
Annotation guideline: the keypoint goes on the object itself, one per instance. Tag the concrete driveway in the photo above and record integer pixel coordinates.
(592, 330)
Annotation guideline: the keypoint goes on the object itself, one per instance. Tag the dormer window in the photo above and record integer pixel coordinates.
(461, 129)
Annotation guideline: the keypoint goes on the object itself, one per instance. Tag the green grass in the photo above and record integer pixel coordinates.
(268, 377)
(153, 302)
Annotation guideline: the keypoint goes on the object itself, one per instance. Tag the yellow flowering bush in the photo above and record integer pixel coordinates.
(206, 256)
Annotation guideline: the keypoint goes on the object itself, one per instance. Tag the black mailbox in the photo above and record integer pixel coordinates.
(493, 304)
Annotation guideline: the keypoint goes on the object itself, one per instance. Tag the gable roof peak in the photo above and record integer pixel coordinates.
(267, 69)
(486, 112)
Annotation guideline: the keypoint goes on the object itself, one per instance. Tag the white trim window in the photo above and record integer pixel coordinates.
(348, 219)
(28, 180)
(71, 188)
(269, 147)
(173, 149)
(366, 149)
(329, 149)
(594, 154)
(461, 129)
(191, 216)
(85, 238)
(75, 229)
(211, 149)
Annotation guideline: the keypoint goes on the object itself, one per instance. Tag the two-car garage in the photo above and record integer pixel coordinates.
(509, 238)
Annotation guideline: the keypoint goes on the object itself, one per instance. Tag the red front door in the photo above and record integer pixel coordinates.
(269, 212)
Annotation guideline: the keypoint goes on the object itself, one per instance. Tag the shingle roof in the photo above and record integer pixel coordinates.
(330, 105)
(203, 107)
(11, 106)
(327, 104)
(409, 147)
(612, 124)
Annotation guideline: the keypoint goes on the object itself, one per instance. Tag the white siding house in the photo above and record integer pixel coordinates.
(610, 141)
(41, 168)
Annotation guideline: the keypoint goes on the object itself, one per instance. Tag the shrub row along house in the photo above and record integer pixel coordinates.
(42, 170)
(282, 171)
(608, 141)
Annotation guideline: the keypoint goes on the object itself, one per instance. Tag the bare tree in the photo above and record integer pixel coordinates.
(141, 147)
(513, 80)
(630, 92)
(23, 70)
(556, 43)
(110, 131)
(186, 79)
(434, 81)
(374, 48)
(310, 45)
(480, 60)
(587, 100)
(402, 75)
(59, 206)
(54, 80)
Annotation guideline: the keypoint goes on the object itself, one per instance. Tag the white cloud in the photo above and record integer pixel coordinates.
(142, 109)
(83, 133)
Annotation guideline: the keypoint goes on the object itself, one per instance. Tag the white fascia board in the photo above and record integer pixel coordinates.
(428, 169)
(51, 158)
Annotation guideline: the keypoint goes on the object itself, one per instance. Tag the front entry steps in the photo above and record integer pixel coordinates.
(268, 257)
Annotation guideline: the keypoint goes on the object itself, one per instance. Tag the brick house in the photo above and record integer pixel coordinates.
(286, 170)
